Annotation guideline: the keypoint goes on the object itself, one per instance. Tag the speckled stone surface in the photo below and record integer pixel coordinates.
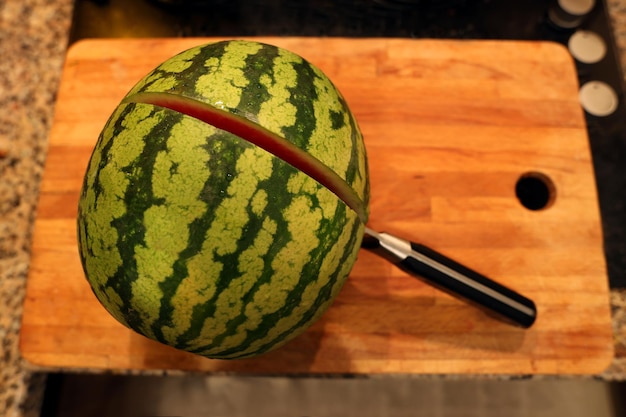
(33, 39)
(617, 369)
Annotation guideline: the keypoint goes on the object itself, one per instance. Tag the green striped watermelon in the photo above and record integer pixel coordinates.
(225, 200)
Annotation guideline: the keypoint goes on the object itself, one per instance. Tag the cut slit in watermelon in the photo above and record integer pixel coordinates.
(259, 136)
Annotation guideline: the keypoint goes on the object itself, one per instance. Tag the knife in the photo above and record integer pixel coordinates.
(452, 277)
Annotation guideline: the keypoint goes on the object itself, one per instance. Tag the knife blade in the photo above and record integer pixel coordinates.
(446, 274)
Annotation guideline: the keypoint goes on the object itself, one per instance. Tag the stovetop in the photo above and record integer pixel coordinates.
(447, 19)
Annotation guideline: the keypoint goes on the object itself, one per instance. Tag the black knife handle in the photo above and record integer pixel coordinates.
(459, 280)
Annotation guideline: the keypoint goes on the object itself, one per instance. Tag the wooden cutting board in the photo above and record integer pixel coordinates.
(450, 127)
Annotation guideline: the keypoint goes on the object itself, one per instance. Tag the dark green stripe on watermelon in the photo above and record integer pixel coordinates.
(327, 233)
(280, 176)
(254, 94)
(327, 292)
(302, 97)
(137, 198)
(214, 191)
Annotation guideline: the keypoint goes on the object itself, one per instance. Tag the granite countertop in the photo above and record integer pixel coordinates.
(33, 40)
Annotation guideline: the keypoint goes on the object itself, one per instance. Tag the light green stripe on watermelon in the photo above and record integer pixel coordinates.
(175, 169)
(277, 112)
(300, 314)
(322, 292)
(287, 264)
(331, 136)
(253, 165)
(208, 291)
(259, 202)
(315, 299)
(230, 303)
(301, 183)
(223, 85)
(193, 290)
(167, 75)
(330, 232)
(112, 182)
(206, 335)
(336, 131)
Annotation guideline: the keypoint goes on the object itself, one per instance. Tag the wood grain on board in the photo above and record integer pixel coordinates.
(450, 127)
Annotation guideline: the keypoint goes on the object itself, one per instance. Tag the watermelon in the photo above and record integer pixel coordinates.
(225, 200)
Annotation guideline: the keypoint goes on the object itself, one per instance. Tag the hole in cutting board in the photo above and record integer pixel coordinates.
(535, 191)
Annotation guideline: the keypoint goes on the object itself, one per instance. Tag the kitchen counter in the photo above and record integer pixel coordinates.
(34, 39)
(34, 36)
